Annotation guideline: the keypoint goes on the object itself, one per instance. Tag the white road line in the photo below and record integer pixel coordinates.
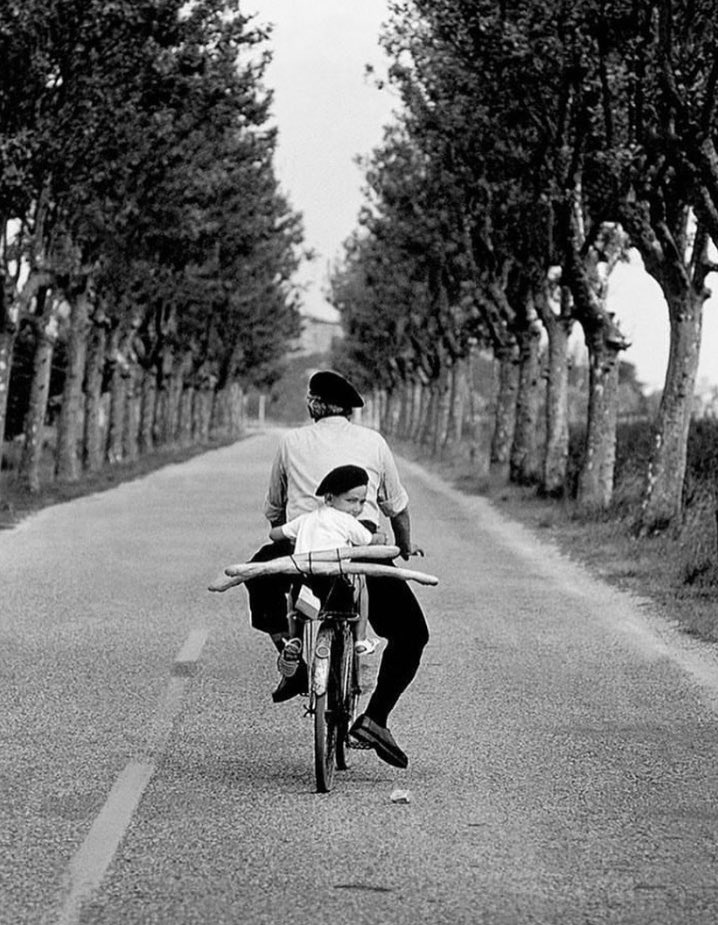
(185, 662)
(88, 866)
(91, 861)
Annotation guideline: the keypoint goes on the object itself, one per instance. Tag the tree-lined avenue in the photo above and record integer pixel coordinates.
(561, 736)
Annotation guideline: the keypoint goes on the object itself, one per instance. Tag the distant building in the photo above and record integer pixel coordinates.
(318, 335)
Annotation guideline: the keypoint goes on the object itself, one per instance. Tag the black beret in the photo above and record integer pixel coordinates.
(335, 390)
(342, 479)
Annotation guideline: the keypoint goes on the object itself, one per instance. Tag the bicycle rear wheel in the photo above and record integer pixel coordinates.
(325, 715)
(348, 697)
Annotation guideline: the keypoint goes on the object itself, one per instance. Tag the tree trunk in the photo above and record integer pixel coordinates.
(147, 410)
(12, 307)
(131, 433)
(174, 405)
(160, 426)
(369, 409)
(443, 411)
(201, 405)
(196, 408)
(70, 424)
(7, 343)
(663, 499)
(395, 409)
(187, 416)
(595, 485)
(412, 411)
(587, 270)
(118, 405)
(675, 254)
(475, 411)
(458, 391)
(207, 403)
(505, 412)
(94, 371)
(429, 421)
(558, 331)
(404, 393)
(219, 416)
(556, 453)
(524, 463)
(34, 427)
(236, 405)
(421, 406)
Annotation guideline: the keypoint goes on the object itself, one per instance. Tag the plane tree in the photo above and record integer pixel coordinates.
(134, 148)
(669, 205)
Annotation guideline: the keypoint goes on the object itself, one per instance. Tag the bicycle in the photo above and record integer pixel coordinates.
(328, 642)
(333, 680)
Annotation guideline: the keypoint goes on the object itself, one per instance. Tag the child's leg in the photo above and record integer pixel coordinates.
(362, 645)
(363, 612)
(291, 649)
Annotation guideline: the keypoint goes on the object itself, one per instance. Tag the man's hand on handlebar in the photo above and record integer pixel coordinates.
(413, 550)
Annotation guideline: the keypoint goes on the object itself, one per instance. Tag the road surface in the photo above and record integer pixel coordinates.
(562, 739)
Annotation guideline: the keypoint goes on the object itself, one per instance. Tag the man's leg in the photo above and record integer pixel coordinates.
(268, 595)
(268, 610)
(395, 614)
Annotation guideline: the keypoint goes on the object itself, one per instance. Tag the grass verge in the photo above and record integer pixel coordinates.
(652, 568)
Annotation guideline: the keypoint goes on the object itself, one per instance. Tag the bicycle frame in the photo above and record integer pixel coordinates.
(328, 648)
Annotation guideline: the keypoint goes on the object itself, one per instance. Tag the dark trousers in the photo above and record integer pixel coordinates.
(394, 614)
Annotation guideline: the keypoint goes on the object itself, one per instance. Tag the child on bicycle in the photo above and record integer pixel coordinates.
(334, 524)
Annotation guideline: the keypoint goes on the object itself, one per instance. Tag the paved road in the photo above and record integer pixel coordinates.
(562, 739)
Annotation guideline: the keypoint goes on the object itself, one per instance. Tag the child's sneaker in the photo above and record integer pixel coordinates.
(288, 660)
(365, 646)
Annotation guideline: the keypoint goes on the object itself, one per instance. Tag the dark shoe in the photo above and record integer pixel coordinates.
(379, 738)
(288, 660)
(290, 687)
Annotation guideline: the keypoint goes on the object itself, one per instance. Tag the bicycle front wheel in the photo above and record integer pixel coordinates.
(325, 716)
(347, 697)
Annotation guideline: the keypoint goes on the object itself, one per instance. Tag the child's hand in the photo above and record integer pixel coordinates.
(379, 538)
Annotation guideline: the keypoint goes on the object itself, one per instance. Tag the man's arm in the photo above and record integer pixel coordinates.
(401, 525)
(276, 498)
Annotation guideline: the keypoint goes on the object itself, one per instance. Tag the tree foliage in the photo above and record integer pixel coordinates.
(547, 139)
(136, 170)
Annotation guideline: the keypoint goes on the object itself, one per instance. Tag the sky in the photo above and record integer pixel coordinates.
(328, 112)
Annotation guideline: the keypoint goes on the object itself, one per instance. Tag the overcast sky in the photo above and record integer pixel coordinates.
(327, 113)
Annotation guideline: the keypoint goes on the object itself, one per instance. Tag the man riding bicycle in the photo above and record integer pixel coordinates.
(304, 456)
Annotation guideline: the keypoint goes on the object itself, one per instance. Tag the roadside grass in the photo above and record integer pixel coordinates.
(676, 571)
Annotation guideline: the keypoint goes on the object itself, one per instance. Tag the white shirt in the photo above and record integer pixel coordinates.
(326, 528)
(307, 454)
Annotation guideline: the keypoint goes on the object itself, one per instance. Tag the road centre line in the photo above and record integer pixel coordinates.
(185, 662)
(90, 862)
(88, 866)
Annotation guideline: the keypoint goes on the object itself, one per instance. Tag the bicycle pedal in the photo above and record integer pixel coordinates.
(360, 746)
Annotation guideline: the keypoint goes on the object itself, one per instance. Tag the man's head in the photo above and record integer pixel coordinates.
(345, 489)
(329, 394)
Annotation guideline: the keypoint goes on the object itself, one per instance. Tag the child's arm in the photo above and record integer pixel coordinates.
(286, 531)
